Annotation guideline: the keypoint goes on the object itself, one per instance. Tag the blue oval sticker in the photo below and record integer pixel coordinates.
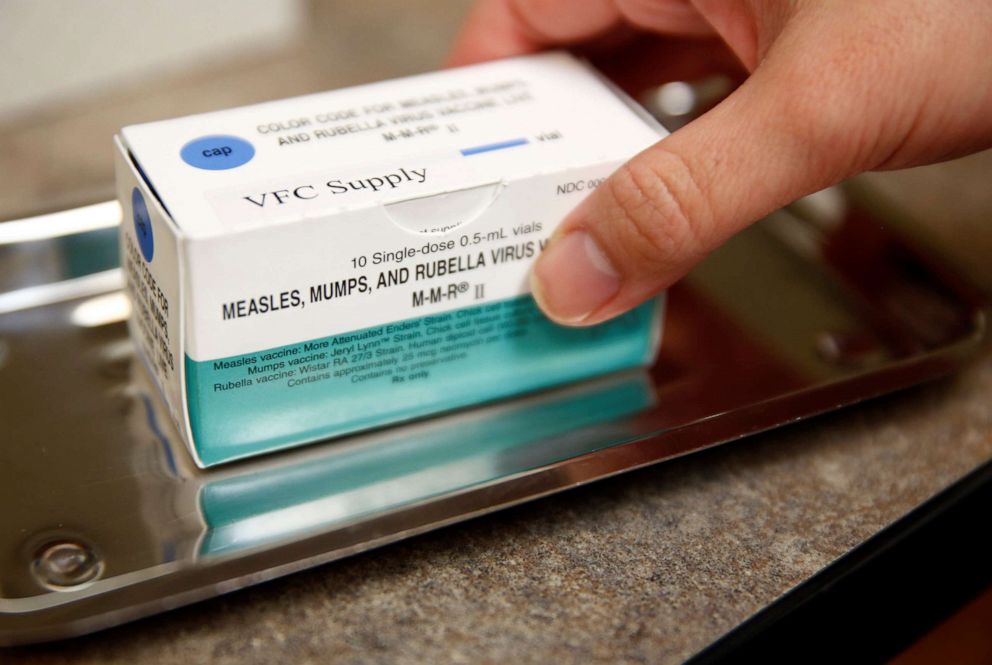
(142, 225)
(218, 152)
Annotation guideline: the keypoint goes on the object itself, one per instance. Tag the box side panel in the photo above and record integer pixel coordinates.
(150, 256)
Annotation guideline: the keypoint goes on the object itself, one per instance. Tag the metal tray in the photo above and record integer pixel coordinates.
(105, 518)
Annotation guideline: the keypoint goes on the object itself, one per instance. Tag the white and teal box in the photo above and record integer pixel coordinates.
(310, 267)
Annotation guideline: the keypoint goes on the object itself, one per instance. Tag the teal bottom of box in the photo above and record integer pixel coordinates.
(289, 395)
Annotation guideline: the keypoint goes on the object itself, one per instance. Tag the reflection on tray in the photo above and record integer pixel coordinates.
(330, 484)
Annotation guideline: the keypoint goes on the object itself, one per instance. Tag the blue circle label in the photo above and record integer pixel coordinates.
(142, 225)
(217, 153)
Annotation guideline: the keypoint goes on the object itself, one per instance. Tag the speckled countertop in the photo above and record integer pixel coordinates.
(651, 566)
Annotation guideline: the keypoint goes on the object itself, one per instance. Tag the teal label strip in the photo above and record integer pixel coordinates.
(254, 403)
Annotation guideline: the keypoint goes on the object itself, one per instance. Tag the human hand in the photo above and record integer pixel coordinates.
(834, 88)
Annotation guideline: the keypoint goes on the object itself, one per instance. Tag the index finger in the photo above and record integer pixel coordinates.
(504, 28)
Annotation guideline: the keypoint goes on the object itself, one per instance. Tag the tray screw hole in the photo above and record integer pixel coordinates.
(66, 565)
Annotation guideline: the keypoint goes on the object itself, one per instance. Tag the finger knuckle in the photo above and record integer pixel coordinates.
(657, 210)
(824, 126)
(835, 111)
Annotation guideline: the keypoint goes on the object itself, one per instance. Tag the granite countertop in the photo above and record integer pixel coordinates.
(651, 566)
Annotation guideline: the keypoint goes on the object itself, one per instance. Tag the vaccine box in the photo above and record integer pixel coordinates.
(306, 268)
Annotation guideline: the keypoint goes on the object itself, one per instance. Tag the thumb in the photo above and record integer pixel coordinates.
(767, 144)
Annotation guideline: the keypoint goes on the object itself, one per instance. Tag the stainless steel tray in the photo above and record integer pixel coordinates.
(105, 518)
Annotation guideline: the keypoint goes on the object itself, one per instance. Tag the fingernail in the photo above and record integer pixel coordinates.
(573, 278)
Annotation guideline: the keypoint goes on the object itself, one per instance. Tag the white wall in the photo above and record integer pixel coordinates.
(56, 49)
